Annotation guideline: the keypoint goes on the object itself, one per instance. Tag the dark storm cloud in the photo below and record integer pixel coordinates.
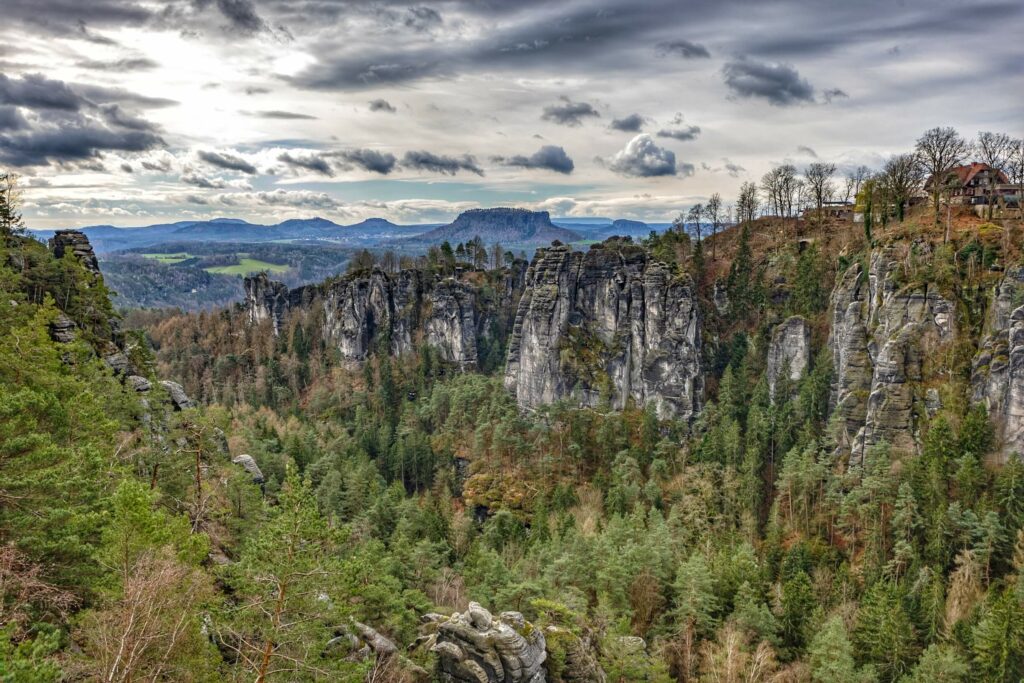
(684, 49)
(114, 114)
(35, 91)
(124, 65)
(357, 72)
(227, 161)
(53, 121)
(439, 163)
(422, 18)
(780, 84)
(241, 15)
(548, 157)
(583, 36)
(642, 158)
(633, 123)
(71, 138)
(326, 163)
(381, 104)
(370, 160)
(569, 113)
(11, 119)
(308, 162)
(277, 114)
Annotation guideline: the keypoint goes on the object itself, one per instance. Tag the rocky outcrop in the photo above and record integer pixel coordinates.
(883, 337)
(997, 372)
(138, 384)
(364, 310)
(789, 351)
(248, 463)
(606, 324)
(475, 647)
(179, 399)
(75, 242)
(265, 299)
(63, 329)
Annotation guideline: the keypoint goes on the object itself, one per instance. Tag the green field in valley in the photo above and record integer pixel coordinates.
(169, 259)
(247, 266)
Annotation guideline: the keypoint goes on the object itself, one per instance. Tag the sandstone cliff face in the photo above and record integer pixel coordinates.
(610, 324)
(881, 339)
(790, 348)
(997, 372)
(362, 311)
(77, 243)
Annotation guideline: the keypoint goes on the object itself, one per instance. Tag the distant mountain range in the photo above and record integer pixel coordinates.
(510, 227)
(107, 238)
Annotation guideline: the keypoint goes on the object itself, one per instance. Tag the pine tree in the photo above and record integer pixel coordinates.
(830, 655)
(998, 639)
(286, 594)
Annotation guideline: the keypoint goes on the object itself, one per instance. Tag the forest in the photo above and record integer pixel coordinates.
(745, 545)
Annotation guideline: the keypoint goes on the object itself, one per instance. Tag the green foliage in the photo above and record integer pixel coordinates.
(28, 661)
(830, 655)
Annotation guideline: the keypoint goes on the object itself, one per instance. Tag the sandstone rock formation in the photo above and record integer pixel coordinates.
(248, 463)
(138, 384)
(609, 323)
(360, 311)
(179, 399)
(75, 242)
(63, 329)
(883, 338)
(790, 348)
(475, 647)
(997, 373)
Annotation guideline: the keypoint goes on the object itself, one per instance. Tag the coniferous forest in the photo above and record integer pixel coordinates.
(223, 496)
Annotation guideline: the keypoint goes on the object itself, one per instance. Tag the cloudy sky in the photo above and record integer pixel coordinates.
(131, 112)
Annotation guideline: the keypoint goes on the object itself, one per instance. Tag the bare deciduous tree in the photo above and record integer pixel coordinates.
(150, 631)
(694, 217)
(854, 181)
(713, 212)
(818, 177)
(939, 150)
(1016, 172)
(748, 203)
(993, 149)
(901, 177)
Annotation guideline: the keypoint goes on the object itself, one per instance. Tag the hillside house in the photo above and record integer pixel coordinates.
(972, 184)
(838, 210)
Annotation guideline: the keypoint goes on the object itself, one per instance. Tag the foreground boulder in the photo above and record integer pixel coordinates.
(476, 647)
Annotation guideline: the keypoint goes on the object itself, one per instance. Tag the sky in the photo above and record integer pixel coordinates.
(134, 112)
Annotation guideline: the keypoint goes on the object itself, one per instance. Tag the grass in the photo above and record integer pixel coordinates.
(169, 259)
(247, 266)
